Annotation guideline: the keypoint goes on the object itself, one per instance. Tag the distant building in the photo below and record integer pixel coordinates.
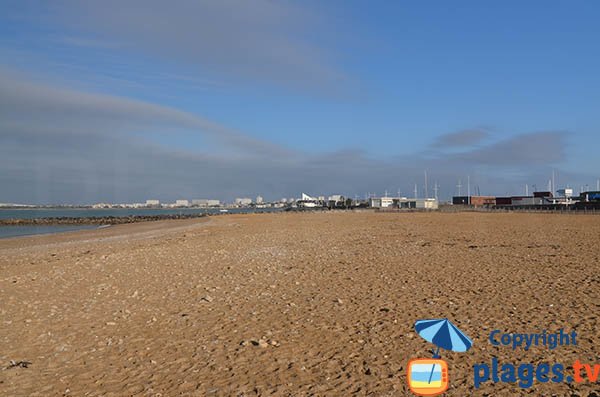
(427, 203)
(526, 200)
(309, 202)
(204, 203)
(483, 201)
(182, 203)
(476, 201)
(259, 199)
(567, 192)
(590, 196)
(152, 203)
(200, 203)
(382, 202)
(337, 201)
(102, 205)
(503, 201)
(243, 201)
(404, 203)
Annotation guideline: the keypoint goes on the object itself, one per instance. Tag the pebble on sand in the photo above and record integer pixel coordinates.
(262, 342)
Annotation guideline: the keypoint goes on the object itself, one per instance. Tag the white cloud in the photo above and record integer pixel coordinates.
(255, 40)
(75, 112)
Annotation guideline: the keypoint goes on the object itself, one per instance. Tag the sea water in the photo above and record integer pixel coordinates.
(29, 230)
(35, 213)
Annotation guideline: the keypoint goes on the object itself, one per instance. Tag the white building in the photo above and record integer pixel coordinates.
(403, 202)
(182, 203)
(426, 203)
(309, 202)
(152, 203)
(206, 203)
(567, 192)
(200, 202)
(102, 205)
(243, 201)
(259, 199)
(382, 202)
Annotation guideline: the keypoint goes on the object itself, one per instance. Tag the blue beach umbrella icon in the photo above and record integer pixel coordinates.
(443, 334)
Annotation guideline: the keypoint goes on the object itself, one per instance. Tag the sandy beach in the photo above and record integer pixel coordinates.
(292, 304)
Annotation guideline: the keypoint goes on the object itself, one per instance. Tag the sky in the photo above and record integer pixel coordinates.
(123, 101)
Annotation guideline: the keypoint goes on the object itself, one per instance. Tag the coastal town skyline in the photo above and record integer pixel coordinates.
(230, 99)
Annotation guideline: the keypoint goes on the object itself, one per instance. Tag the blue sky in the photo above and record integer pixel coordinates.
(230, 98)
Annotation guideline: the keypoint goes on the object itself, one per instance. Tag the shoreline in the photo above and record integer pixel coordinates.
(97, 220)
(156, 223)
(125, 231)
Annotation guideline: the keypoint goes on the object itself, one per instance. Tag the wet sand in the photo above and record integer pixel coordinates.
(292, 303)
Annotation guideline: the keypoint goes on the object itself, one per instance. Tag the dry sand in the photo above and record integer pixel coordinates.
(329, 300)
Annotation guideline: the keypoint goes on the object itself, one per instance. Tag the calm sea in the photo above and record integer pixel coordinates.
(31, 213)
(28, 230)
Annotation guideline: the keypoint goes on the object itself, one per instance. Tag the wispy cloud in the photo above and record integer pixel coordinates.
(537, 148)
(463, 138)
(257, 40)
(46, 108)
